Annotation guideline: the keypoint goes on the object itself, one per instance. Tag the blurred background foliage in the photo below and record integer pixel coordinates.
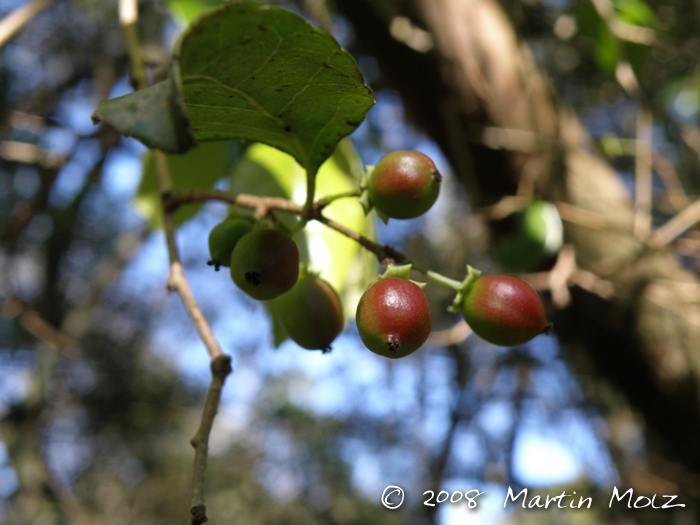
(102, 376)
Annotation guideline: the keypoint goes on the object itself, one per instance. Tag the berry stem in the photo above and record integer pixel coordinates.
(464, 286)
(438, 277)
(383, 253)
(325, 201)
(310, 190)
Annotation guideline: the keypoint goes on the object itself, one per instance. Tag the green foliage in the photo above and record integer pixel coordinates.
(155, 116)
(609, 50)
(254, 73)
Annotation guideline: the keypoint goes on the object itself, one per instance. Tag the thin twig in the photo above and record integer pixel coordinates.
(177, 281)
(129, 18)
(17, 19)
(642, 193)
(254, 202)
(39, 327)
(220, 362)
(220, 369)
(383, 253)
(675, 226)
(669, 177)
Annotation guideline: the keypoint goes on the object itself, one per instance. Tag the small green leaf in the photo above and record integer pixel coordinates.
(636, 12)
(198, 169)
(153, 115)
(607, 50)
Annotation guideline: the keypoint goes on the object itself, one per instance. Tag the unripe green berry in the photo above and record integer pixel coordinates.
(404, 184)
(504, 310)
(393, 317)
(224, 237)
(265, 263)
(310, 313)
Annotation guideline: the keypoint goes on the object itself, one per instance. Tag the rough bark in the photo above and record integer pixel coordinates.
(482, 98)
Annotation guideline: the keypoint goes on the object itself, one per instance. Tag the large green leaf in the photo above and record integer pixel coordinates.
(263, 74)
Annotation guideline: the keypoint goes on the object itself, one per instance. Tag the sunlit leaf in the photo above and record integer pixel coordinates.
(636, 12)
(188, 10)
(198, 169)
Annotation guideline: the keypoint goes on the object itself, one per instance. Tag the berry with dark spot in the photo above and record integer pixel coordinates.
(265, 263)
(393, 317)
(223, 238)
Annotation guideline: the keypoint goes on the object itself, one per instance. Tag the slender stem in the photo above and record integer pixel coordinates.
(325, 201)
(13, 23)
(129, 18)
(220, 369)
(387, 253)
(177, 281)
(220, 362)
(438, 277)
(383, 253)
(310, 190)
(253, 202)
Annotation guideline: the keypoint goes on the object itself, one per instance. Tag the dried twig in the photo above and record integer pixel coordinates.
(17, 19)
(675, 226)
(642, 217)
(220, 363)
(39, 327)
(177, 281)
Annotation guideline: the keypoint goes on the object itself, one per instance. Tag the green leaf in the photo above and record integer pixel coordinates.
(636, 12)
(188, 10)
(256, 73)
(154, 116)
(198, 169)
(607, 50)
(265, 74)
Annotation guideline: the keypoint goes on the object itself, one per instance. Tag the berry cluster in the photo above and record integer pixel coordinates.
(264, 263)
(393, 316)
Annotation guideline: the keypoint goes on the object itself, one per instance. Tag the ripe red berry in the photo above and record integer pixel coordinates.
(310, 313)
(504, 310)
(404, 184)
(265, 263)
(393, 317)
